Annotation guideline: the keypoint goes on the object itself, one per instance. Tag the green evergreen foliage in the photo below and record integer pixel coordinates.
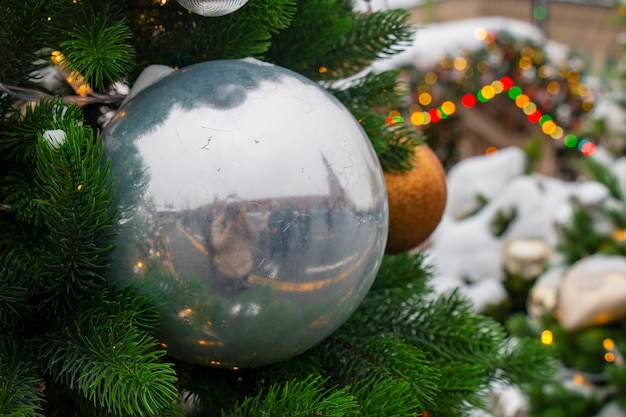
(72, 344)
(99, 49)
(558, 400)
(19, 392)
(582, 237)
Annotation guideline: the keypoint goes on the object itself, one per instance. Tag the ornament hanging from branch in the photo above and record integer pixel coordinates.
(252, 210)
(212, 8)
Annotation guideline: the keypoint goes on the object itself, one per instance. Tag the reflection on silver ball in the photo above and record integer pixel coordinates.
(252, 210)
(212, 8)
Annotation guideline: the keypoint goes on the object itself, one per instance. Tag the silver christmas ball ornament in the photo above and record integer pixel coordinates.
(252, 210)
(212, 8)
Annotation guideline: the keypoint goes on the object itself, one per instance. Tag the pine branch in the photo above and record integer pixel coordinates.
(373, 36)
(14, 292)
(525, 361)
(75, 196)
(451, 329)
(463, 386)
(355, 359)
(299, 398)
(182, 39)
(313, 32)
(371, 90)
(598, 171)
(123, 305)
(400, 271)
(27, 27)
(114, 366)
(580, 238)
(20, 393)
(99, 49)
(326, 42)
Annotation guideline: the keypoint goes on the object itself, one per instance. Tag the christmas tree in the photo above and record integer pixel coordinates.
(575, 306)
(71, 343)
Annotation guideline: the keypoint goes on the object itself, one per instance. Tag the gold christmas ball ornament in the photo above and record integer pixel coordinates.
(417, 199)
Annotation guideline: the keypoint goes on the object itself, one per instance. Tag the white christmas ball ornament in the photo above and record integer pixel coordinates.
(212, 8)
(252, 210)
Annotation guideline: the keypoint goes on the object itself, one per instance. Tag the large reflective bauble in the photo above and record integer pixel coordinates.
(252, 210)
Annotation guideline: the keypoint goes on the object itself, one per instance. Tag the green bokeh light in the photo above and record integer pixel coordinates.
(540, 12)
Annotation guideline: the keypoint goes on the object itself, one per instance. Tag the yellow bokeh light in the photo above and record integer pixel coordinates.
(525, 63)
(425, 99)
(546, 337)
(553, 87)
(480, 33)
(583, 90)
(522, 100)
(417, 118)
(498, 86)
(578, 379)
(530, 108)
(549, 127)
(558, 133)
(139, 264)
(619, 234)
(573, 77)
(608, 344)
(430, 77)
(460, 63)
(488, 92)
(323, 70)
(446, 63)
(587, 105)
(414, 107)
(609, 357)
(393, 114)
(527, 52)
(544, 71)
(448, 107)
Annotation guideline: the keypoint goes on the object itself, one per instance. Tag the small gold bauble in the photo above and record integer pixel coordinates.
(417, 199)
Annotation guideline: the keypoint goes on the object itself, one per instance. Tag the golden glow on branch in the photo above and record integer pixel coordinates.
(73, 77)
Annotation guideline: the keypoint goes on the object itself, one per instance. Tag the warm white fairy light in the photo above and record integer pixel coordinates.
(74, 78)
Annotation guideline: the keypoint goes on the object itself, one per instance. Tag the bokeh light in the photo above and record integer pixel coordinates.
(448, 107)
(553, 87)
(468, 100)
(460, 63)
(430, 77)
(480, 33)
(425, 99)
(540, 12)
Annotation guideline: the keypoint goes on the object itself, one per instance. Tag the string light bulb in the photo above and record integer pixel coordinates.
(74, 78)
